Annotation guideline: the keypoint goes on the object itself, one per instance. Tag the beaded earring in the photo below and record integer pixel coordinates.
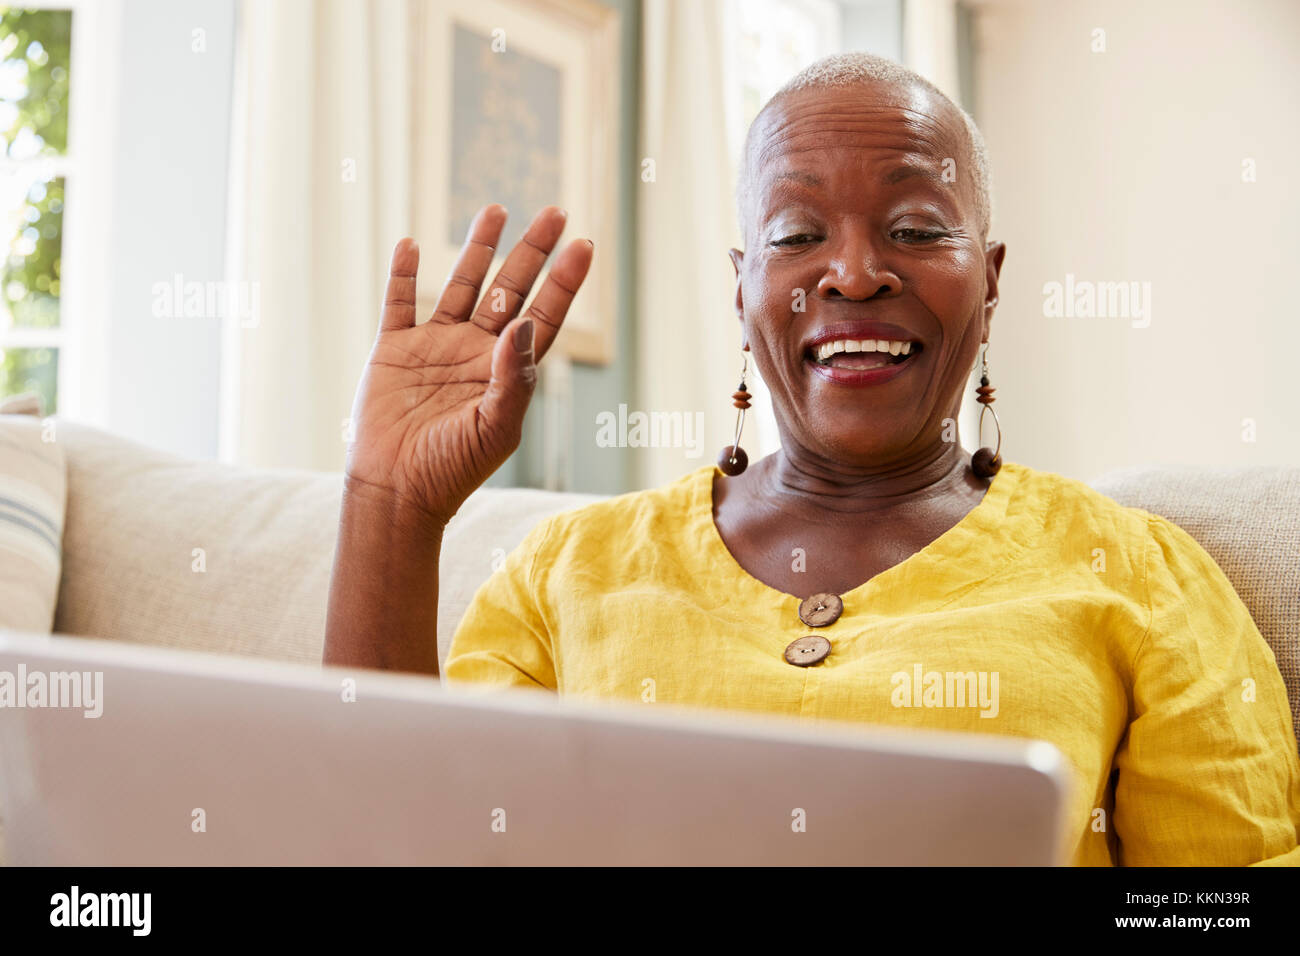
(986, 462)
(733, 460)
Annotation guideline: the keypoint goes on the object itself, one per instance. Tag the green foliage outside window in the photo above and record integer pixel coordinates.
(41, 39)
(35, 55)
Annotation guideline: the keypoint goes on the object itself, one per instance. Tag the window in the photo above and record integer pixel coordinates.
(35, 81)
(772, 40)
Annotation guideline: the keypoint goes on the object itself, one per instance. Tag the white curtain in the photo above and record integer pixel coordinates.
(321, 189)
(688, 337)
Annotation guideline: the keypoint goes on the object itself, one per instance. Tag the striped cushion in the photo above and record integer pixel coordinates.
(33, 492)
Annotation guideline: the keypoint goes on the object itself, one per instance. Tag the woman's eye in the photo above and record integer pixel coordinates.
(797, 239)
(918, 235)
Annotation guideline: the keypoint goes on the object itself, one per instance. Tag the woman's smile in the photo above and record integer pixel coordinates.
(861, 353)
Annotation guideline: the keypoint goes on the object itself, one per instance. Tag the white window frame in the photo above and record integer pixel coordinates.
(81, 337)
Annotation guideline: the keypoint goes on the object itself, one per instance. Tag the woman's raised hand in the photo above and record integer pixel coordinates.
(441, 404)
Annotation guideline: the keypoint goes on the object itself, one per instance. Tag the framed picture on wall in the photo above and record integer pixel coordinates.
(516, 103)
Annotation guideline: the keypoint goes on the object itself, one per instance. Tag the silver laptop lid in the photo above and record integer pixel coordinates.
(143, 756)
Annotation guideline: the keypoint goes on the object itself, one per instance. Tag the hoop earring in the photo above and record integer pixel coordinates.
(986, 462)
(732, 460)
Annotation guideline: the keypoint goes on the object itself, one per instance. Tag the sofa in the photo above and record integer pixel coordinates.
(165, 551)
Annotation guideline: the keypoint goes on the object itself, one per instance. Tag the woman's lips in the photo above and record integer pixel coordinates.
(843, 373)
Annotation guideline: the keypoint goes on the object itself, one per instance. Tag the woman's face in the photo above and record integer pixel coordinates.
(863, 224)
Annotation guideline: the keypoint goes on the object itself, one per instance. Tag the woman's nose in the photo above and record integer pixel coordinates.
(858, 271)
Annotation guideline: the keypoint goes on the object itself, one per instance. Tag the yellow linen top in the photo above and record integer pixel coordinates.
(1111, 632)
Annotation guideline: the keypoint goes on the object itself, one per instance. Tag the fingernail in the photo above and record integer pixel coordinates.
(524, 336)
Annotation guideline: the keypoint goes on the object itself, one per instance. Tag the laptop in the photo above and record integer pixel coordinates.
(120, 754)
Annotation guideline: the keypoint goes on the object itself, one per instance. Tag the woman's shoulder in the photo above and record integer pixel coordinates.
(1073, 505)
(1081, 521)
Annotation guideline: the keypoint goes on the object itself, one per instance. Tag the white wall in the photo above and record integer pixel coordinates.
(872, 26)
(167, 209)
(1127, 165)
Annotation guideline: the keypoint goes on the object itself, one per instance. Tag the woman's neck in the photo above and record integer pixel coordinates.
(795, 481)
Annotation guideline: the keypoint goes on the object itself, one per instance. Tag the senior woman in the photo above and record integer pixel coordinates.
(843, 576)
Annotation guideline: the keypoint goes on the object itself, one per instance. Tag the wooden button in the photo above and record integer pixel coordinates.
(821, 609)
(807, 651)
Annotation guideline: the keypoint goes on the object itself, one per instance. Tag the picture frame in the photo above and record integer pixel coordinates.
(516, 102)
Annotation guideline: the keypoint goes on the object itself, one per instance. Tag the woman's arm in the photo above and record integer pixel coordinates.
(383, 600)
(439, 409)
(1208, 771)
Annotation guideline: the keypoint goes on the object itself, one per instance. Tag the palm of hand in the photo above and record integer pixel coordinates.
(440, 406)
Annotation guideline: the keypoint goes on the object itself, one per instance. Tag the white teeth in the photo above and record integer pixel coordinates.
(827, 349)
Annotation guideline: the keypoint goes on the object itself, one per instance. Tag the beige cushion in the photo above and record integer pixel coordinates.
(32, 494)
(164, 551)
(1248, 520)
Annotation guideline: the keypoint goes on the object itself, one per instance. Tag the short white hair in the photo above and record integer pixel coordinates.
(843, 69)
